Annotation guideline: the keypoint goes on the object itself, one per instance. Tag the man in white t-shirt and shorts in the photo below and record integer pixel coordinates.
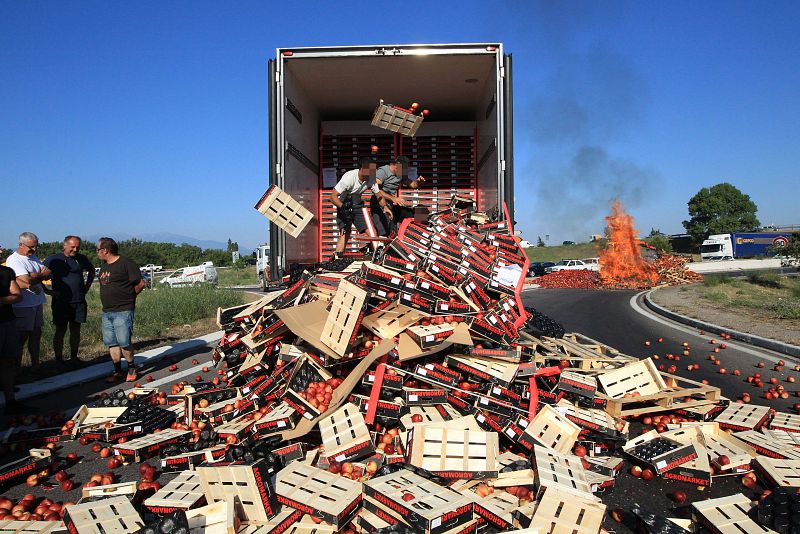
(30, 274)
(346, 196)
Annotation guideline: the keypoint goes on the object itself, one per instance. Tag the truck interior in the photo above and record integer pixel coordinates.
(324, 127)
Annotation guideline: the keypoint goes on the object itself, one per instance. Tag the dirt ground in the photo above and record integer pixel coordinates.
(687, 300)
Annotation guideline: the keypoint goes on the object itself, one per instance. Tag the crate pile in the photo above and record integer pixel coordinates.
(405, 394)
(672, 270)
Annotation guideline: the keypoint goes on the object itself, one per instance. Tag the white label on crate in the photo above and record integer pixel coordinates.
(163, 464)
(371, 378)
(480, 418)
(412, 398)
(598, 450)
(484, 400)
(445, 307)
(562, 409)
(493, 319)
(137, 428)
(429, 366)
(341, 458)
(409, 265)
(661, 464)
(436, 522)
(395, 281)
(429, 338)
(382, 293)
(425, 285)
(281, 424)
(245, 391)
(496, 391)
(308, 416)
(510, 433)
(423, 372)
(116, 452)
(407, 296)
(523, 423)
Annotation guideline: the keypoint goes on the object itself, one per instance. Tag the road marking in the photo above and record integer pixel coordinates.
(766, 354)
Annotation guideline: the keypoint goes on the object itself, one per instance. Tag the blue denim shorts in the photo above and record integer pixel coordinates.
(118, 328)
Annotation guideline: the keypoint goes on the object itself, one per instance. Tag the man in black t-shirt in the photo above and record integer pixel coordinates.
(69, 296)
(120, 283)
(9, 337)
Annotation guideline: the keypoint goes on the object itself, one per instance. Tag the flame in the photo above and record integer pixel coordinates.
(621, 262)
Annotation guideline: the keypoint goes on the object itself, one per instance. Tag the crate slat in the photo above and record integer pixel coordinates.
(249, 483)
(29, 527)
(742, 416)
(302, 486)
(215, 518)
(561, 471)
(345, 435)
(287, 213)
(780, 472)
(453, 453)
(181, 493)
(640, 377)
(766, 446)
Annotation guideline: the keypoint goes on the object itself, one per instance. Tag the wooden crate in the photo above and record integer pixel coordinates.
(344, 318)
(239, 427)
(764, 445)
(283, 520)
(327, 496)
(453, 454)
(282, 417)
(88, 418)
(681, 393)
(519, 477)
(431, 335)
(29, 527)
(779, 472)
(190, 460)
(181, 493)
(107, 516)
(23, 467)
(396, 120)
(215, 518)
(552, 429)
(742, 416)
(141, 447)
(789, 439)
(423, 504)
(495, 371)
(788, 422)
(497, 509)
(640, 378)
(717, 443)
(287, 213)
(561, 512)
(728, 515)
(560, 471)
(345, 435)
(392, 320)
(121, 489)
(592, 419)
(249, 483)
(431, 415)
(583, 353)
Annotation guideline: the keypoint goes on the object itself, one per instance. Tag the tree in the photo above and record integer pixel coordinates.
(539, 242)
(791, 251)
(660, 241)
(720, 209)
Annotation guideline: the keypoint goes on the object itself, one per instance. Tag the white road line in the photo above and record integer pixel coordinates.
(766, 354)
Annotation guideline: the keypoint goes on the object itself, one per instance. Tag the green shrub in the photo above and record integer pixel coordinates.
(713, 280)
(771, 280)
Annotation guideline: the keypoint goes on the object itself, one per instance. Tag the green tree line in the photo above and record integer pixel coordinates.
(169, 255)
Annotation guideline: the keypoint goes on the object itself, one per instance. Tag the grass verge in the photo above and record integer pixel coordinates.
(234, 276)
(777, 297)
(162, 316)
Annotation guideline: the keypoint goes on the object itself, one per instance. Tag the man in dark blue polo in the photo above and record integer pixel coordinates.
(69, 296)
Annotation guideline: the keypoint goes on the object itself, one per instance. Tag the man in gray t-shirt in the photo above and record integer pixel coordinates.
(390, 177)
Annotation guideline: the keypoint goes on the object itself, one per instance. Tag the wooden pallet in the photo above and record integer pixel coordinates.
(344, 318)
(728, 515)
(560, 471)
(248, 483)
(317, 492)
(787, 422)
(552, 429)
(680, 393)
(453, 454)
(583, 353)
(181, 493)
(137, 449)
(29, 527)
(287, 213)
(742, 416)
(345, 435)
(779, 472)
(215, 518)
(107, 516)
(491, 370)
(561, 512)
(764, 445)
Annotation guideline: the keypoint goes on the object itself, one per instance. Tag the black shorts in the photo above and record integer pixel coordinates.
(9, 341)
(358, 221)
(68, 312)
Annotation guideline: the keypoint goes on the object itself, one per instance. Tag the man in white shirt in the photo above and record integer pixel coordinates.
(30, 274)
(346, 196)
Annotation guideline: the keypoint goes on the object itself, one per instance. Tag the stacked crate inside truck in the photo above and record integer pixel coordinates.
(340, 153)
(448, 164)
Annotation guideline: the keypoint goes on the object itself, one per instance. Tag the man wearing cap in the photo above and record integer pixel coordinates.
(390, 177)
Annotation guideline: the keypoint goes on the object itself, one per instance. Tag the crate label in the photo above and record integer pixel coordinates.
(661, 464)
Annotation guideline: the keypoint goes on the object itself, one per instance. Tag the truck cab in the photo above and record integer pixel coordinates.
(717, 247)
(262, 266)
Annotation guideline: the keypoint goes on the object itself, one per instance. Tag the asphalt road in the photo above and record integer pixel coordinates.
(605, 316)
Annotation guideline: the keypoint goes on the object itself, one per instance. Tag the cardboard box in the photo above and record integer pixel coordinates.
(145, 446)
(190, 460)
(282, 417)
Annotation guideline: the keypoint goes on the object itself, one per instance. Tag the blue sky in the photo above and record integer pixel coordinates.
(152, 116)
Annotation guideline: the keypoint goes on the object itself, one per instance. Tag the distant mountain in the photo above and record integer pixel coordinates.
(168, 237)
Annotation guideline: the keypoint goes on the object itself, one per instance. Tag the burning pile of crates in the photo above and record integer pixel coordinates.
(406, 394)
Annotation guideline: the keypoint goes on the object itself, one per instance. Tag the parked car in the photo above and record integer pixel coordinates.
(537, 268)
(151, 267)
(205, 273)
(591, 261)
(572, 265)
(568, 242)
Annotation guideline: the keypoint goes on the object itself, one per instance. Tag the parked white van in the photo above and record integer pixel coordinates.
(205, 273)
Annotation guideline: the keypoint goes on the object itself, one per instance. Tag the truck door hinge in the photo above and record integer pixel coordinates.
(502, 165)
